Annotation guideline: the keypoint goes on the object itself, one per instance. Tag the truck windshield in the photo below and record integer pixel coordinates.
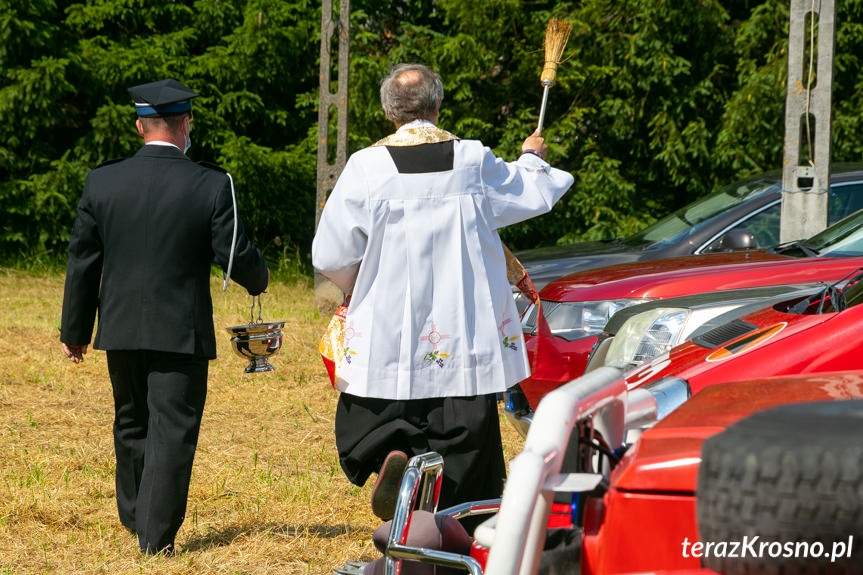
(842, 239)
(693, 217)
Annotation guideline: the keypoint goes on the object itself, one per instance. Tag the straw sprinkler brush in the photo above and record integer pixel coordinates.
(556, 35)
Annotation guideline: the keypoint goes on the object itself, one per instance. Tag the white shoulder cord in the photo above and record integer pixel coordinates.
(227, 275)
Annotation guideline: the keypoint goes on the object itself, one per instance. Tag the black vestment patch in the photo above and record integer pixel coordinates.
(424, 158)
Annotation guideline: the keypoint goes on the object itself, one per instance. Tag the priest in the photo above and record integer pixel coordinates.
(432, 334)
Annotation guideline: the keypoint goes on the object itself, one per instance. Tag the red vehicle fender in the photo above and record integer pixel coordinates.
(642, 522)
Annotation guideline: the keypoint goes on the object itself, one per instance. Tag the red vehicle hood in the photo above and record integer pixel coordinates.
(690, 359)
(666, 457)
(695, 274)
(769, 342)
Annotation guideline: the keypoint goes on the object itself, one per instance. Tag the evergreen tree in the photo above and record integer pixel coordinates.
(656, 102)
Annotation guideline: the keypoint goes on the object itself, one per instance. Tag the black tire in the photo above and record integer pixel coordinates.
(793, 475)
(562, 553)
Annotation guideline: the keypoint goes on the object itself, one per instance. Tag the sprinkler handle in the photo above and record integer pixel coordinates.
(546, 86)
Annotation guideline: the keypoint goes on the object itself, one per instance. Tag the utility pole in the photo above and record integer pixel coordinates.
(327, 295)
(806, 176)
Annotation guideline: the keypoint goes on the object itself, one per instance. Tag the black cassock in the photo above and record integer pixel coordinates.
(147, 230)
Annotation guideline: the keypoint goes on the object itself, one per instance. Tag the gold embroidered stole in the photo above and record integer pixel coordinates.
(416, 136)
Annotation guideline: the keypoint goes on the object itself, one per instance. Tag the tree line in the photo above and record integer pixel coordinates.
(657, 102)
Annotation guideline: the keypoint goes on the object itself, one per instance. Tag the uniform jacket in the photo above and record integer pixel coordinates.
(146, 232)
(411, 229)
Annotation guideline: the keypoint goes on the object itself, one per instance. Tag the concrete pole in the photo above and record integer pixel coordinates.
(806, 177)
(327, 296)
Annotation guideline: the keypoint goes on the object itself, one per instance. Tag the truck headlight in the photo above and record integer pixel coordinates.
(578, 319)
(650, 333)
(645, 336)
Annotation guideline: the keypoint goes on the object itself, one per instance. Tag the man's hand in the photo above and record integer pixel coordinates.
(534, 144)
(75, 352)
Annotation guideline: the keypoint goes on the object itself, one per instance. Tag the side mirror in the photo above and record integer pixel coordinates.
(737, 239)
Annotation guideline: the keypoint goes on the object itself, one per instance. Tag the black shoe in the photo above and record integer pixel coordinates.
(385, 493)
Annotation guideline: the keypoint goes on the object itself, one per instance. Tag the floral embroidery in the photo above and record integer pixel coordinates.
(436, 357)
(541, 167)
(350, 333)
(434, 337)
(546, 169)
(508, 342)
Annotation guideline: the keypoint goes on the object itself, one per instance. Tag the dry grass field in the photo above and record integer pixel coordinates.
(267, 493)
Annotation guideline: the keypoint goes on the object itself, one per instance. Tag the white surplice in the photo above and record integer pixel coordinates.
(431, 311)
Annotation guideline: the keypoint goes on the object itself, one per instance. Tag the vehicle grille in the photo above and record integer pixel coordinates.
(724, 333)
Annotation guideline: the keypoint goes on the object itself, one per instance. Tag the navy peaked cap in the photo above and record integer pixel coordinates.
(163, 98)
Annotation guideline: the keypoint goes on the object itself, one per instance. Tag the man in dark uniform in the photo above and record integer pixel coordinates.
(146, 232)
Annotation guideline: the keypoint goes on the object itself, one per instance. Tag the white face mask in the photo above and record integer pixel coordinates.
(188, 137)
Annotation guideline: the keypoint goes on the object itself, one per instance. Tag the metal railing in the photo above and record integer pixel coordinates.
(421, 480)
(515, 535)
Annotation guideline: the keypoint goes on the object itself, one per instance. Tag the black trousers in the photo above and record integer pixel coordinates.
(465, 431)
(158, 403)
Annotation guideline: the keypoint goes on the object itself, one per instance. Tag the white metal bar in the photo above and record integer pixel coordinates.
(520, 526)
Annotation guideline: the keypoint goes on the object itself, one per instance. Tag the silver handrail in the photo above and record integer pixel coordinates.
(428, 466)
(516, 534)
(472, 508)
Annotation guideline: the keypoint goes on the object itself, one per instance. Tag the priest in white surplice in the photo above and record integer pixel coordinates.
(432, 332)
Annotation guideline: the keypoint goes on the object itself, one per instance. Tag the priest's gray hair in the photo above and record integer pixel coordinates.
(411, 92)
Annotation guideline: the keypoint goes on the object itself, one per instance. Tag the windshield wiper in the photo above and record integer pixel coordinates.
(801, 306)
(834, 292)
(801, 245)
(837, 298)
